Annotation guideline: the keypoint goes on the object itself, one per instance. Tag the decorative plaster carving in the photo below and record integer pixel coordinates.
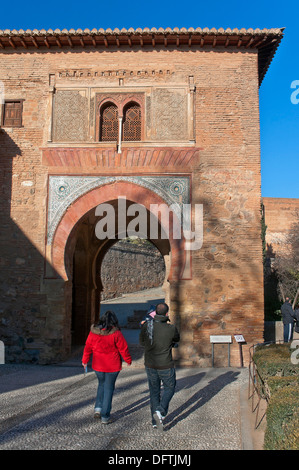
(70, 116)
(170, 117)
(65, 189)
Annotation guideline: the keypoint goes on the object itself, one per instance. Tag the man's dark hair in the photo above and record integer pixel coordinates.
(162, 309)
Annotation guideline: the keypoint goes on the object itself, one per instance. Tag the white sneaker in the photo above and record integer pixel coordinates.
(158, 418)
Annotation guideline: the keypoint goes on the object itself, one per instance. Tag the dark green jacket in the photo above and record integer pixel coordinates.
(158, 354)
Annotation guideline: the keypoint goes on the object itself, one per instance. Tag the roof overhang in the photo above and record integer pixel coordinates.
(266, 41)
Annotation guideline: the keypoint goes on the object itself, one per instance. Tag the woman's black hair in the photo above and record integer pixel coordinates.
(108, 321)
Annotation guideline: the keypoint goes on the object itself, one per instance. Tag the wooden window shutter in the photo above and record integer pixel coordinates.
(132, 123)
(109, 123)
(12, 113)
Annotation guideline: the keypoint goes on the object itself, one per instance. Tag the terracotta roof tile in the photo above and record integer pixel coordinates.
(265, 41)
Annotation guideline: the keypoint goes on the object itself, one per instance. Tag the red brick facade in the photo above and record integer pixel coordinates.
(280, 215)
(198, 95)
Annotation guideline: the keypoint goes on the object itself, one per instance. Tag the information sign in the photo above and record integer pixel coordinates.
(220, 339)
(239, 338)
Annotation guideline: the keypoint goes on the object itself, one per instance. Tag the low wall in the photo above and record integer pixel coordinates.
(274, 331)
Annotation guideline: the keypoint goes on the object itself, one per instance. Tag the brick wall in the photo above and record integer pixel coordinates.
(225, 294)
(280, 215)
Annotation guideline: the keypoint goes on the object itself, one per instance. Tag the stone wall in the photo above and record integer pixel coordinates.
(130, 268)
(280, 215)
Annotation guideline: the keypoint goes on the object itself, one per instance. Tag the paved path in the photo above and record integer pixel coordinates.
(51, 408)
(124, 306)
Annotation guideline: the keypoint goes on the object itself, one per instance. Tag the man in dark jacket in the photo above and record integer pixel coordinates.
(288, 320)
(158, 361)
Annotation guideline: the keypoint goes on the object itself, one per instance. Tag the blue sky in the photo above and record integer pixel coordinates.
(279, 117)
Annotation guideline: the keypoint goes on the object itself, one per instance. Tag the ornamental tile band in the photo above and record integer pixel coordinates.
(64, 190)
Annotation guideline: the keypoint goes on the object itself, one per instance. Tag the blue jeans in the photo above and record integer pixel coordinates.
(105, 392)
(160, 401)
(288, 332)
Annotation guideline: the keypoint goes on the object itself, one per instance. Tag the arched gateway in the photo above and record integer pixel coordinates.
(66, 229)
(70, 233)
(154, 117)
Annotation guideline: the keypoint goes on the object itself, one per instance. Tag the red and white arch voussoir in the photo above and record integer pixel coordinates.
(101, 195)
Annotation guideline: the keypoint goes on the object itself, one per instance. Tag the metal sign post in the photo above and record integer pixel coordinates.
(240, 339)
(222, 340)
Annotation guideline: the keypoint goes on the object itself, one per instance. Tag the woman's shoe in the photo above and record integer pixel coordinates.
(105, 420)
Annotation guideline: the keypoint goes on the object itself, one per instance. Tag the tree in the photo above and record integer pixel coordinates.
(286, 265)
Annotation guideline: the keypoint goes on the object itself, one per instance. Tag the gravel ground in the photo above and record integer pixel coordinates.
(51, 408)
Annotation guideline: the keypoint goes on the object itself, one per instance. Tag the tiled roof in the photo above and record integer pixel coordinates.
(265, 40)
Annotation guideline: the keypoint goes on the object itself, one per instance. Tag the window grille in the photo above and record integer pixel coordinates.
(109, 123)
(132, 123)
(12, 113)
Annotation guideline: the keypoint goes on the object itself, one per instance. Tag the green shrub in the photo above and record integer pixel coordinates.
(275, 384)
(282, 431)
(279, 383)
(274, 360)
(291, 433)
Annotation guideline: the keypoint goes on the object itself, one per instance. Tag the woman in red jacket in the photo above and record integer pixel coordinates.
(107, 345)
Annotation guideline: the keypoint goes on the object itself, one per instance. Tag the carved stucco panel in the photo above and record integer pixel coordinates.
(70, 119)
(169, 114)
(65, 189)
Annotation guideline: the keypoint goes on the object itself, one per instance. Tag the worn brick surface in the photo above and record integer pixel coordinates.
(281, 214)
(225, 294)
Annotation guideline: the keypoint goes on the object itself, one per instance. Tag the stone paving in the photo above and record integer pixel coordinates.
(51, 408)
(124, 306)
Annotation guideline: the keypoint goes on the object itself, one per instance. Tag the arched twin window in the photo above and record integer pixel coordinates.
(109, 123)
(130, 122)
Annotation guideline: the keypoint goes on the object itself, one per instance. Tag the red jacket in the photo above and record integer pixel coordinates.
(106, 348)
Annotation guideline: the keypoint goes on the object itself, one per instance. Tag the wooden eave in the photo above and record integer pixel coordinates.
(266, 41)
